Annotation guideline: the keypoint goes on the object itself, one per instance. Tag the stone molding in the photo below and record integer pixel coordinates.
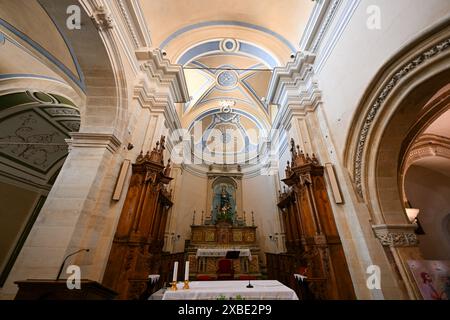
(383, 93)
(294, 89)
(136, 26)
(428, 145)
(93, 140)
(401, 235)
(161, 73)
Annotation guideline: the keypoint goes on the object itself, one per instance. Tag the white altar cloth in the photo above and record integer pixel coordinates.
(216, 290)
(222, 252)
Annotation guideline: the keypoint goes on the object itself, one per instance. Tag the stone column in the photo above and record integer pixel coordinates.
(78, 213)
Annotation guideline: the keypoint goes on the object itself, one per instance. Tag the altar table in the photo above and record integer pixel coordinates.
(220, 252)
(235, 289)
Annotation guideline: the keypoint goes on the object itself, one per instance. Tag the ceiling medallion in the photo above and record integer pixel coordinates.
(229, 45)
(227, 79)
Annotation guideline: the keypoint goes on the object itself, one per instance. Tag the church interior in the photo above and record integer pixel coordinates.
(290, 149)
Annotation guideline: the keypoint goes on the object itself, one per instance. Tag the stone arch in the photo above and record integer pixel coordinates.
(228, 180)
(386, 117)
(383, 121)
(101, 87)
(102, 100)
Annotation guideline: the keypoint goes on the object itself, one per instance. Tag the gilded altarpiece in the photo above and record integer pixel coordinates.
(225, 228)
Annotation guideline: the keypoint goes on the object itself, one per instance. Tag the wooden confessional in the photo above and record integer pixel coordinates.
(314, 248)
(137, 246)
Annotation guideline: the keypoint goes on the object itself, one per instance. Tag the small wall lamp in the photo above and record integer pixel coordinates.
(412, 214)
(175, 238)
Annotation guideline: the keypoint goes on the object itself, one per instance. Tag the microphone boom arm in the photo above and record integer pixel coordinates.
(64, 262)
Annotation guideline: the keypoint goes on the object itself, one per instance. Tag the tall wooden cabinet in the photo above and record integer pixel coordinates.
(139, 238)
(312, 240)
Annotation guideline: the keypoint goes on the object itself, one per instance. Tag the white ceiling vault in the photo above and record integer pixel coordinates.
(228, 50)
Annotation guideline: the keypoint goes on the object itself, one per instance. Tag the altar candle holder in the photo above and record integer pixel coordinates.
(174, 286)
(186, 285)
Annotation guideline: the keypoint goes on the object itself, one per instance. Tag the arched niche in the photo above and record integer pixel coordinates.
(233, 184)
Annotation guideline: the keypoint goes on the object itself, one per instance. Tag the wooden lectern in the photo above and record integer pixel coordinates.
(33, 289)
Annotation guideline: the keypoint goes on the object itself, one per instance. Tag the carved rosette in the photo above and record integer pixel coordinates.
(396, 235)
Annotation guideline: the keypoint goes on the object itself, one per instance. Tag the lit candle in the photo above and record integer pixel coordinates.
(175, 271)
(186, 271)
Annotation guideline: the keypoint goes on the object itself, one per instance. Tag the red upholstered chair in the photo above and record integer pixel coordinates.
(225, 271)
(247, 277)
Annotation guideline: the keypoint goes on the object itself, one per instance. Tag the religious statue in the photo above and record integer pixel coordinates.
(224, 209)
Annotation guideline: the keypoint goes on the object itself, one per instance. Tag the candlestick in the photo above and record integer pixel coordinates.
(175, 272)
(186, 271)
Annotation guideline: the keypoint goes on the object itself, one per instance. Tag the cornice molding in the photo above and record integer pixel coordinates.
(137, 28)
(158, 103)
(325, 26)
(294, 89)
(93, 140)
(318, 24)
(165, 74)
(288, 81)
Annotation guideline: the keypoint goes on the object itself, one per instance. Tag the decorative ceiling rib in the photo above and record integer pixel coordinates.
(34, 128)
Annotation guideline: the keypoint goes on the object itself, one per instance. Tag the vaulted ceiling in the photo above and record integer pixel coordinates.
(228, 50)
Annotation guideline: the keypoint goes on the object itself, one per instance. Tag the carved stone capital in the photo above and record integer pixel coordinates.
(102, 19)
(399, 235)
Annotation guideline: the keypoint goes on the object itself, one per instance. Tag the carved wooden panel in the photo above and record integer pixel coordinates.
(210, 236)
(312, 238)
(254, 264)
(249, 237)
(237, 236)
(197, 236)
(211, 265)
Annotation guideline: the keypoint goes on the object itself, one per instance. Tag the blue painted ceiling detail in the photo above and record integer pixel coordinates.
(226, 23)
(78, 79)
(213, 47)
(227, 79)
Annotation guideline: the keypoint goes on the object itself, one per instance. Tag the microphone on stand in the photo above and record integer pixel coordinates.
(249, 276)
(64, 262)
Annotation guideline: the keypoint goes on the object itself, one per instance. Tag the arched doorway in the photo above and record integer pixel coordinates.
(393, 112)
